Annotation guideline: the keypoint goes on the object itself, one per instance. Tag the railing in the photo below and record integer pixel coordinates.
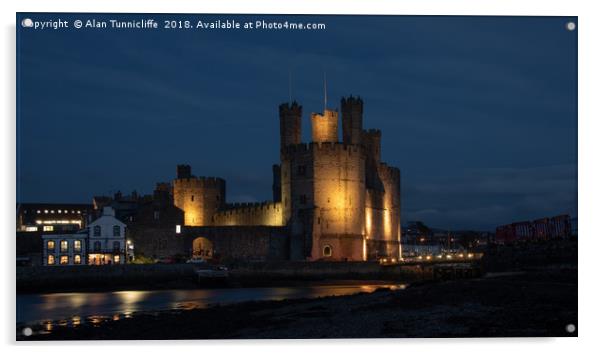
(460, 257)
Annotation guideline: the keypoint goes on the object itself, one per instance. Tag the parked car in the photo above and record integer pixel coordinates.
(166, 260)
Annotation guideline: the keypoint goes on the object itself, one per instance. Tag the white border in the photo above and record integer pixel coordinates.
(590, 114)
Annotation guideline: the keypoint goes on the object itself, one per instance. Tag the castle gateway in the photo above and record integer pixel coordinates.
(333, 200)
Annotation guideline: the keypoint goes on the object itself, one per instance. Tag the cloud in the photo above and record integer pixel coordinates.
(486, 197)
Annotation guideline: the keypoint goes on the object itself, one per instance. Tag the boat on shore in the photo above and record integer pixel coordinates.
(208, 274)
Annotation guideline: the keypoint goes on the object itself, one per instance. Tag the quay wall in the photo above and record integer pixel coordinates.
(165, 276)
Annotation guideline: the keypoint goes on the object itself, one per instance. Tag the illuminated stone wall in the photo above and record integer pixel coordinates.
(375, 219)
(267, 214)
(327, 193)
(339, 188)
(200, 198)
(391, 232)
(229, 243)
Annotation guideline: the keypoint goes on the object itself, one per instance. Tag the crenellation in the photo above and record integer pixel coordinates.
(264, 213)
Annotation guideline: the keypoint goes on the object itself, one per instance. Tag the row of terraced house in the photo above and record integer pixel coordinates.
(549, 228)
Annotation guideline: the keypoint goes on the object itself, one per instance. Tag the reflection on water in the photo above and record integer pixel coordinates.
(69, 309)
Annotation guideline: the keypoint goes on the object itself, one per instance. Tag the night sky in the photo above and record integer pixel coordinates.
(479, 113)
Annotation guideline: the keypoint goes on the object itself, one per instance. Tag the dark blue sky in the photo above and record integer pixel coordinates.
(479, 113)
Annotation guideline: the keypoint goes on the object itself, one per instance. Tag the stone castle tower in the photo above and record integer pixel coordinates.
(336, 199)
(199, 197)
(339, 200)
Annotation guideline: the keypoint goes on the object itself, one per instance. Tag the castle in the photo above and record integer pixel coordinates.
(332, 199)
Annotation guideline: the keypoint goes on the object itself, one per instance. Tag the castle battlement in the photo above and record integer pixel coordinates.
(387, 172)
(352, 103)
(325, 146)
(264, 213)
(373, 132)
(199, 182)
(257, 206)
(293, 107)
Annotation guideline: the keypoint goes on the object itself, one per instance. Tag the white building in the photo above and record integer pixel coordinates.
(102, 243)
(106, 241)
(65, 249)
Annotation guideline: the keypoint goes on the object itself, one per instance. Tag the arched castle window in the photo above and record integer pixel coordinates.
(327, 251)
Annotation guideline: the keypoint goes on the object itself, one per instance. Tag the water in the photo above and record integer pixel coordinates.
(72, 308)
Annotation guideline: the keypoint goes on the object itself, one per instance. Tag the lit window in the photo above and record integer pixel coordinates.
(77, 259)
(50, 245)
(97, 230)
(327, 251)
(48, 228)
(77, 245)
(50, 259)
(31, 228)
(64, 259)
(64, 246)
(178, 229)
(116, 258)
(116, 230)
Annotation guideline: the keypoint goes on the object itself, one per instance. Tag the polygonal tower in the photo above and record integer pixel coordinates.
(325, 127)
(352, 110)
(290, 135)
(290, 124)
(199, 197)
